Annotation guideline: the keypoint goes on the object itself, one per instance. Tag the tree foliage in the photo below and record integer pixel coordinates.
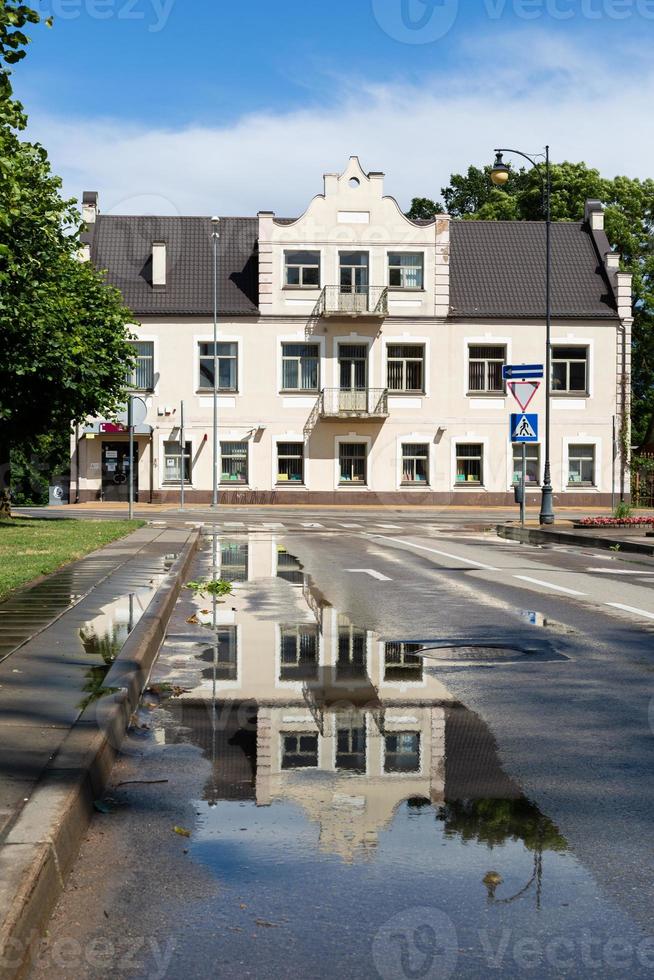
(64, 351)
(629, 222)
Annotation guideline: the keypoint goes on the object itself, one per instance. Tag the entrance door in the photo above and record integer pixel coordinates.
(353, 376)
(115, 471)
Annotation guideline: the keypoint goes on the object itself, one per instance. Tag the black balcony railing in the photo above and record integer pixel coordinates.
(359, 402)
(353, 301)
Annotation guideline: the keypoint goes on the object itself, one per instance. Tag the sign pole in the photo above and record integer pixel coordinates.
(523, 481)
(130, 429)
(181, 458)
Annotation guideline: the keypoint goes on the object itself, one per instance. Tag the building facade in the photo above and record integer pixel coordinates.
(360, 355)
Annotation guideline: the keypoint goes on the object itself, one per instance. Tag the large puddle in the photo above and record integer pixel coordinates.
(354, 811)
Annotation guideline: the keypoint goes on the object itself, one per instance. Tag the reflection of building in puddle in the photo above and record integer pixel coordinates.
(105, 634)
(305, 706)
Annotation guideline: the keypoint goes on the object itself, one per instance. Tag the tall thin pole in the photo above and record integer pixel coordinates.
(182, 459)
(130, 472)
(215, 236)
(546, 509)
(523, 484)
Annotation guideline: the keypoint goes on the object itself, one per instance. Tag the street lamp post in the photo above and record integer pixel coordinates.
(215, 236)
(500, 173)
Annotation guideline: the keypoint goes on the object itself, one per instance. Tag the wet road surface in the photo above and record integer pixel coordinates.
(444, 771)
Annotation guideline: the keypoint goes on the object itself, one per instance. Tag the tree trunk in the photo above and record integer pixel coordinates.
(5, 473)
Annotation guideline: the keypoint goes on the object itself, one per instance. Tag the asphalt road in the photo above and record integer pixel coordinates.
(567, 716)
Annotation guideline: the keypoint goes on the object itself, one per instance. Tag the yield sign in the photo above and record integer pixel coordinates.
(523, 391)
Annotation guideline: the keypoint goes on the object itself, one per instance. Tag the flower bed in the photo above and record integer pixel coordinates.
(615, 522)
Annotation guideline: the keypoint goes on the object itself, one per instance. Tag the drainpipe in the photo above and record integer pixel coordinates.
(76, 463)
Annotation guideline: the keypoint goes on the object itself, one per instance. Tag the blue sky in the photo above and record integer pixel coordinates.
(202, 105)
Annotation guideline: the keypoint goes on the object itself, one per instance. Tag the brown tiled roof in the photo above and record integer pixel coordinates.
(122, 245)
(497, 268)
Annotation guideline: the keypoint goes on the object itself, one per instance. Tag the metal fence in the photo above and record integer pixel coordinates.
(366, 402)
(642, 480)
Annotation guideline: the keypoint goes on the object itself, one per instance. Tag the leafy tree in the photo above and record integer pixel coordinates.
(629, 221)
(64, 351)
(423, 208)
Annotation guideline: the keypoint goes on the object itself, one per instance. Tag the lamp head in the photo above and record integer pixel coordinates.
(500, 171)
(215, 225)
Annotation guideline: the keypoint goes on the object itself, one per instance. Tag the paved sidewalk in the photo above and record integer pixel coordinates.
(49, 674)
(634, 540)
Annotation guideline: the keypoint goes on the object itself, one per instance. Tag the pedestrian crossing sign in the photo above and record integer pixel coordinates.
(524, 428)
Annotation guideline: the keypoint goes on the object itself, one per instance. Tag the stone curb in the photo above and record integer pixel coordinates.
(39, 851)
(535, 536)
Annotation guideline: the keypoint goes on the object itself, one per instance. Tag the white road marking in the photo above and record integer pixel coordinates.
(234, 524)
(371, 572)
(443, 554)
(617, 571)
(310, 524)
(273, 527)
(351, 526)
(631, 609)
(549, 585)
(390, 527)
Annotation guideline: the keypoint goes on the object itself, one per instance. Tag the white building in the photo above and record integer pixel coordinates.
(360, 354)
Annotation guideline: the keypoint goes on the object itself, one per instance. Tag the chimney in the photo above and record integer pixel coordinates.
(89, 207)
(594, 215)
(159, 265)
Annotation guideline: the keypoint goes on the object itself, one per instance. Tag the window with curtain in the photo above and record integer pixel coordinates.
(141, 377)
(485, 365)
(290, 462)
(405, 270)
(227, 366)
(469, 462)
(402, 752)
(300, 367)
(415, 462)
(352, 461)
(234, 457)
(298, 652)
(405, 367)
(533, 462)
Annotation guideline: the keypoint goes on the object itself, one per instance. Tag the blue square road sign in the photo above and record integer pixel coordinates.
(524, 427)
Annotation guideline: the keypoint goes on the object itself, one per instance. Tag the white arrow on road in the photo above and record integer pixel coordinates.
(371, 572)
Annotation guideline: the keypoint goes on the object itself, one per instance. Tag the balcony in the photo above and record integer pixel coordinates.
(355, 301)
(360, 403)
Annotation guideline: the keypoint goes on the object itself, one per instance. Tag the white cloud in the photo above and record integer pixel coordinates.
(529, 89)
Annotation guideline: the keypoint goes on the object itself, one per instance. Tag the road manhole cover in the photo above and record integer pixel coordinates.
(473, 654)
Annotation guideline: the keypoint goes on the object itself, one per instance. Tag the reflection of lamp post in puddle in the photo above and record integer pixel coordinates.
(214, 622)
(493, 879)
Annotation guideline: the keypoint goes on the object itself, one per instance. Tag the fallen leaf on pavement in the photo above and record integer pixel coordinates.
(182, 831)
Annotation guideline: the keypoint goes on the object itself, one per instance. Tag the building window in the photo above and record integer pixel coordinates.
(299, 750)
(532, 452)
(405, 270)
(300, 367)
(469, 462)
(415, 462)
(401, 661)
(234, 458)
(402, 752)
(172, 458)
(290, 462)
(570, 369)
(353, 272)
(406, 367)
(141, 377)
(227, 366)
(298, 652)
(289, 567)
(351, 748)
(351, 663)
(581, 466)
(302, 269)
(485, 368)
(352, 462)
(234, 562)
(223, 658)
